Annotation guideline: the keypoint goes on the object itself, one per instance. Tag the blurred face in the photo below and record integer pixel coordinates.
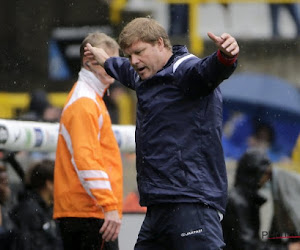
(266, 177)
(4, 187)
(146, 59)
(99, 71)
(50, 188)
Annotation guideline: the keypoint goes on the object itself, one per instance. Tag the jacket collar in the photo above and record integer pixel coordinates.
(91, 80)
(178, 50)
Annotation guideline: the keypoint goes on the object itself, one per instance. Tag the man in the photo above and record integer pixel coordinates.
(88, 181)
(181, 172)
(242, 221)
(33, 214)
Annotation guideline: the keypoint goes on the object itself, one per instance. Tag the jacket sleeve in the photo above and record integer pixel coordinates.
(120, 69)
(83, 132)
(199, 77)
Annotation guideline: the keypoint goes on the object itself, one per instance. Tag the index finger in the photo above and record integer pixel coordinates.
(111, 231)
(88, 46)
(104, 226)
(214, 38)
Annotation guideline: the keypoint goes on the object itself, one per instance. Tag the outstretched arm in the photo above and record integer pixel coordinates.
(120, 68)
(204, 75)
(226, 43)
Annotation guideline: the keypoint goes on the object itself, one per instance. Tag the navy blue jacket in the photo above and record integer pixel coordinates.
(179, 129)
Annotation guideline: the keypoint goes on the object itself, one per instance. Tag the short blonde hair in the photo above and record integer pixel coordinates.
(143, 29)
(101, 40)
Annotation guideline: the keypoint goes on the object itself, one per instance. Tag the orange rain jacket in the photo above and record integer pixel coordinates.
(88, 176)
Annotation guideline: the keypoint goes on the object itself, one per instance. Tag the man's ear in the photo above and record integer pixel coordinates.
(160, 43)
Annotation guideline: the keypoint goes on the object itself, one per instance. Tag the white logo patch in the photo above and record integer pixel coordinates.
(198, 231)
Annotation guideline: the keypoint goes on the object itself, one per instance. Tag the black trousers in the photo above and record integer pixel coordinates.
(83, 234)
(181, 226)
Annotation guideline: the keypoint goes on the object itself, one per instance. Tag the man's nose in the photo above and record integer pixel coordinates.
(134, 59)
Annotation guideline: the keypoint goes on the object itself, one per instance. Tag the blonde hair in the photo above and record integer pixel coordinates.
(101, 40)
(143, 29)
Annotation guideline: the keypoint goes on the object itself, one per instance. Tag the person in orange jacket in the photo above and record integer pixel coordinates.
(88, 178)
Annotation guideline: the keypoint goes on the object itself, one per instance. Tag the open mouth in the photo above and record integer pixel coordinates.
(141, 69)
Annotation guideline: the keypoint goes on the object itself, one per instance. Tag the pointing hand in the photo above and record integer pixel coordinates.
(226, 43)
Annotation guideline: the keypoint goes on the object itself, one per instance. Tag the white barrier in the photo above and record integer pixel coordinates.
(42, 136)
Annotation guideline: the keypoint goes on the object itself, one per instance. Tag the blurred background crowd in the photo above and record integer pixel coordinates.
(39, 58)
